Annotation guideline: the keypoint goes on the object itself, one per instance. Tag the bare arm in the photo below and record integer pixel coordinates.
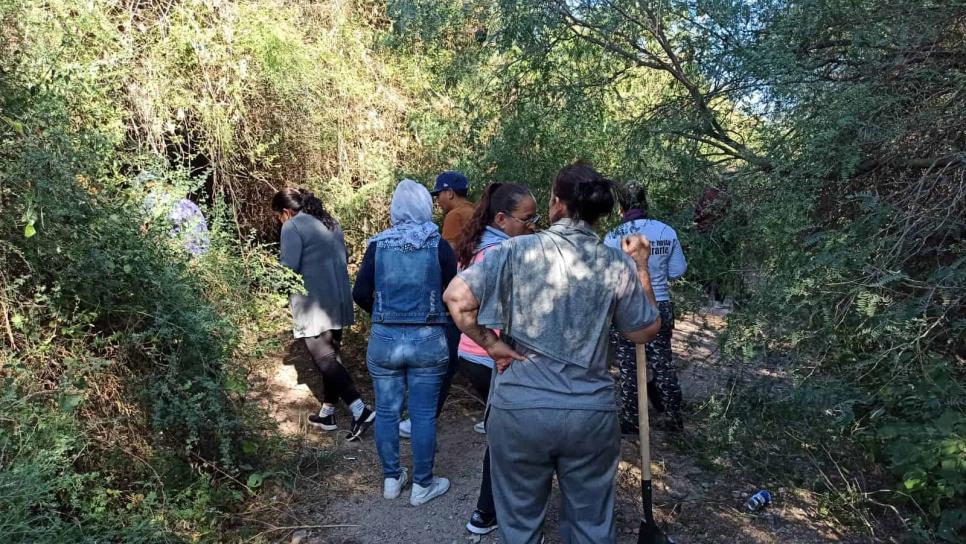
(464, 308)
(639, 248)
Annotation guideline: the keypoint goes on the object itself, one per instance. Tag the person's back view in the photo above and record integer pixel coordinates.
(554, 295)
(400, 282)
(318, 253)
(666, 263)
(312, 246)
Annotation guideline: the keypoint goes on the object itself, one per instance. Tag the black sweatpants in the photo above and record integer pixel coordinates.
(335, 383)
(480, 378)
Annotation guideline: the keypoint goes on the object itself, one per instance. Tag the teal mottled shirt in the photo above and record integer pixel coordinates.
(554, 295)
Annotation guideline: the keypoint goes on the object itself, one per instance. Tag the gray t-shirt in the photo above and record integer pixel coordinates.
(555, 295)
(319, 255)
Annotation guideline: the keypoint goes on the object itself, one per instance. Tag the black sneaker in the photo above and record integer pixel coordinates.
(360, 424)
(482, 523)
(326, 423)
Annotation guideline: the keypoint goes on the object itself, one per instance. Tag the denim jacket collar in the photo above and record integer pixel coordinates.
(491, 237)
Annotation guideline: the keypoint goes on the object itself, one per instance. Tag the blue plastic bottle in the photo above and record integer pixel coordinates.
(758, 501)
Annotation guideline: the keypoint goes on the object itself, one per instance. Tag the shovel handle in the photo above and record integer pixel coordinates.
(642, 419)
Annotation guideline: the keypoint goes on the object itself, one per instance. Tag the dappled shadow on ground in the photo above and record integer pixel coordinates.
(278, 389)
(696, 505)
(344, 504)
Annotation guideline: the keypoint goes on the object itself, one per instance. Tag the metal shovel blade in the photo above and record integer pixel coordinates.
(652, 534)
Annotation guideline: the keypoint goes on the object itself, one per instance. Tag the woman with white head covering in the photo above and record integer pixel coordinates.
(401, 281)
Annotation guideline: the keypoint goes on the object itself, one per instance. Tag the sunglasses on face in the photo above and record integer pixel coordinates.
(532, 220)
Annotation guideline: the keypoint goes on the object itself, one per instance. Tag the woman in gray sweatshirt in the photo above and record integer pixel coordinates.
(314, 247)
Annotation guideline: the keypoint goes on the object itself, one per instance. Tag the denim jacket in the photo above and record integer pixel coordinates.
(408, 286)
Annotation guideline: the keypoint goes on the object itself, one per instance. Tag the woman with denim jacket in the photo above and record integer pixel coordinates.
(400, 282)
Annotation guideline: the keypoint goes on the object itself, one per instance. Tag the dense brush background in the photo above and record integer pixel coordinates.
(838, 126)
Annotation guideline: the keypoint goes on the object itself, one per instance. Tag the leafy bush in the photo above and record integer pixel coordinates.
(838, 124)
(123, 357)
(838, 130)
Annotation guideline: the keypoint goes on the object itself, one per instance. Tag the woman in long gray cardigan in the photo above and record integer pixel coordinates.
(314, 247)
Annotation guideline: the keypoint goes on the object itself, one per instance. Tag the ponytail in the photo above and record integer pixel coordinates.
(497, 197)
(302, 200)
(313, 206)
(587, 195)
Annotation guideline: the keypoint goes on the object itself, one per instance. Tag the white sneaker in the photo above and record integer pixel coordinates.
(421, 495)
(480, 427)
(391, 487)
(405, 428)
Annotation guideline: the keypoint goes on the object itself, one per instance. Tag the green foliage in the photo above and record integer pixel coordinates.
(123, 357)
(837, 127)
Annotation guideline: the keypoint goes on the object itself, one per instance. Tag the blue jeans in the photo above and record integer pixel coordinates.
(417, 356)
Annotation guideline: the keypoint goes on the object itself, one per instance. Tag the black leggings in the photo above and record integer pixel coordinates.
(452, 344)
(326, 377)
(481, 377)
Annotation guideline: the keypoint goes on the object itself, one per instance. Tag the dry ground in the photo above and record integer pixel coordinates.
(695, 504)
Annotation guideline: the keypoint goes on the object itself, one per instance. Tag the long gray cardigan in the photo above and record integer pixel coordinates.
(319, 255)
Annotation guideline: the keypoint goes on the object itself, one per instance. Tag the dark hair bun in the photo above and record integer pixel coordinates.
(631, 195)
(587, 194)
(595, 198)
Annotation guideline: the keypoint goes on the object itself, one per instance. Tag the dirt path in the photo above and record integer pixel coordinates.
(697, 505)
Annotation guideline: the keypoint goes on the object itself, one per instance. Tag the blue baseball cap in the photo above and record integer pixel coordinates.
(450, 180)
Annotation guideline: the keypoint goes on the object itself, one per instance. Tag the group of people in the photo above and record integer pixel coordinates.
(528, 317)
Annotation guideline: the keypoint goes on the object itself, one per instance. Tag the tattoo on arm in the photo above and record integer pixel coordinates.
(485, 337)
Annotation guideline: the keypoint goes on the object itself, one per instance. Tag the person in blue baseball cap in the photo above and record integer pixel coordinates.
(450, 192)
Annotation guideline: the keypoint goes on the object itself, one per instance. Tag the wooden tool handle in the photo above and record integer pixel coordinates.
(642, 420)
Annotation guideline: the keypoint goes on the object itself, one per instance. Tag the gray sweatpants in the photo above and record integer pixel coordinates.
(528, 446)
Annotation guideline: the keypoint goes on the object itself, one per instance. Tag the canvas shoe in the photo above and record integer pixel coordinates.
(326, 423)
(482, 523)
(360, 424)
(421, 495)
(480, 427)
(392, 487)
